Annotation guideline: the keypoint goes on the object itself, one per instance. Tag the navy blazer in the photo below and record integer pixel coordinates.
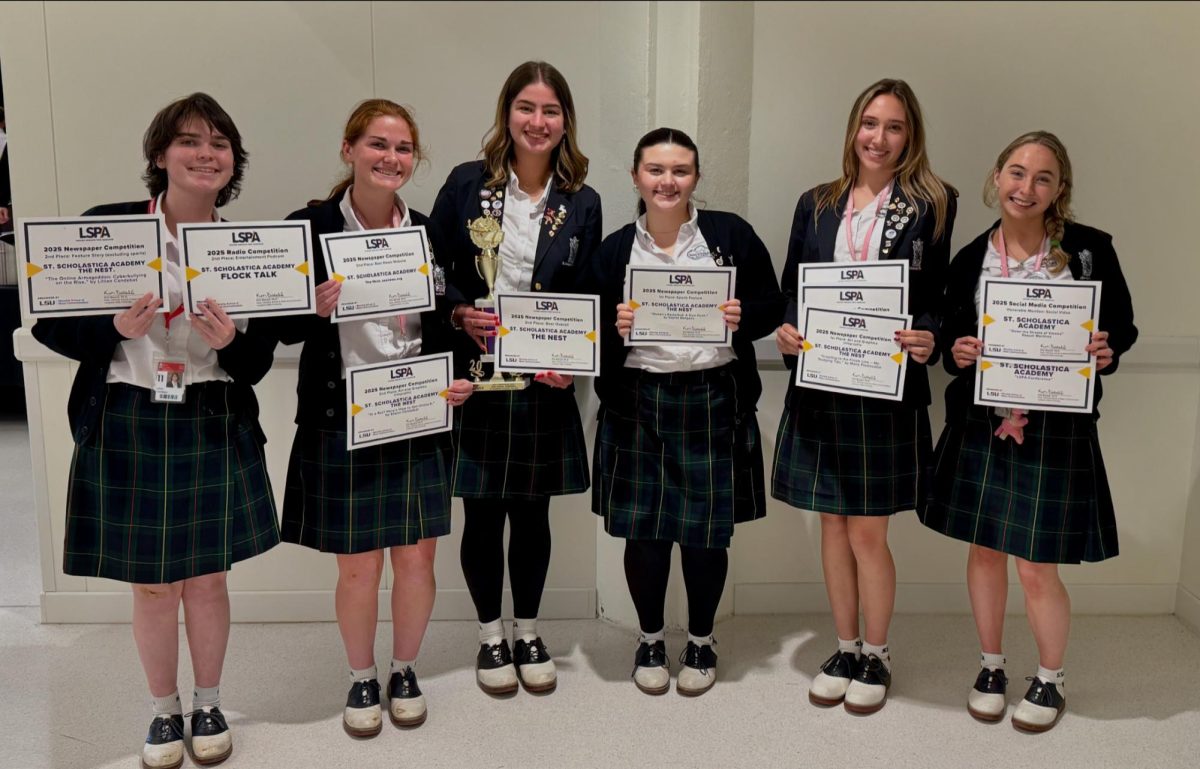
(813, 240)
(734, 243)
(563, 250)
(320, 389)
(1092, 258)
(93, 340)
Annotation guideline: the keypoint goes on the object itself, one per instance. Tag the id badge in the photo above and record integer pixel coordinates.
(168, 381)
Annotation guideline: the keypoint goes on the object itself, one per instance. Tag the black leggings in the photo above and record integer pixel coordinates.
(647, 566)
(482, 554)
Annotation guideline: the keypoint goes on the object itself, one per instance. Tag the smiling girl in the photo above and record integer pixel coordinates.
(677, 456)
(854, 460)
(1029, 485)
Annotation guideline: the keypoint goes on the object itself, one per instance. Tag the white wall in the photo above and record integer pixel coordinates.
(765, 88)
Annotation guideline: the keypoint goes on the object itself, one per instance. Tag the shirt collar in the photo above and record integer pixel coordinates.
(351, 218)
(686, 230)
(515, 191)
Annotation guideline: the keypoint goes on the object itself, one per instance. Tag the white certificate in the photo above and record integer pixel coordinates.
(883, 272)
(398, 400)
(1034, 335)
(252, 269)
(382, 272)
(1035, 385)
(548, 332)
(854, 297)
(679, 304)
(92, 265)
(852, 353)
(1038, 319)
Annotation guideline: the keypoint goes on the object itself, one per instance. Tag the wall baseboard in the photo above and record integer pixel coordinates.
(1187, 608)
(810, 598)
(304, 606)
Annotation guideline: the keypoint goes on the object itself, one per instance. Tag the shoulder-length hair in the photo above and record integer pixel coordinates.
(913, 174)
(167, 124)
(357, 124)
(568, 165)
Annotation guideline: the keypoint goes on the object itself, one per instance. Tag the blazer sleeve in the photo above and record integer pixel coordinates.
(762, 302)
(91, 339)
(589, 245)
(958, 308)
(933, 280)
(801, 221)
(444, 218)
(1116, 306)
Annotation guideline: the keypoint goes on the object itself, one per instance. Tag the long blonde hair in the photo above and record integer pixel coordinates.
(569, 165)
(913, 174)
(1059, 212)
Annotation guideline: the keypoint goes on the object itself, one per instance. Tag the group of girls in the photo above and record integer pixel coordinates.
(169, 496)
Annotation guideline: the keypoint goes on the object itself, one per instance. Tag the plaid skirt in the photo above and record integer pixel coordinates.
(524, 444)
(852, 456)
(1046, 500)
(391, 494)
(685, 467)
(164, 492)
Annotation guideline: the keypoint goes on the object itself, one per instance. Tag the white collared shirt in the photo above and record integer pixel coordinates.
(377, 340)
(522, 226)
(691, 250)
(862, 223)
(1019, 270)
(135, 360)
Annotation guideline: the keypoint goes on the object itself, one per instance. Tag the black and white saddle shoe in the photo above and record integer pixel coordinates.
(651, 670)
(698, 670)
(363, 716)
(829, 686)
(868, 690)
(212, 742)
(534, 667)
(164, 743)
(986, 700)
(494, 669)
(1042, 707)
(406, 704)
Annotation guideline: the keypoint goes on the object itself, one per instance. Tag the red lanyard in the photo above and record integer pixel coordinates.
(1037, 265)
(866, 246)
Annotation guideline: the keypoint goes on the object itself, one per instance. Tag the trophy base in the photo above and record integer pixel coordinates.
(501, 384)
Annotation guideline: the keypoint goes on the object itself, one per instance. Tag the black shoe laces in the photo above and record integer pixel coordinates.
(1042, 693)
(693, 656)
(164, 729)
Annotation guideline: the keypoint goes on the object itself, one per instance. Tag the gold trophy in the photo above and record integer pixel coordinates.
(487, 234)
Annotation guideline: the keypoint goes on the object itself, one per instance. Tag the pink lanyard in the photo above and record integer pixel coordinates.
(866, 246)
(1037, 265)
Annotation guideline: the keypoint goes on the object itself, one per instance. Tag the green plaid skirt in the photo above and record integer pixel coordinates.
(685, 467)
(390, 494)
(852, 456)
(161, 493)
(525, 444)
(1046, 500)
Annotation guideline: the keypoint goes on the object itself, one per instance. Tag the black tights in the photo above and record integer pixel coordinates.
(647, 566)
(482, 554)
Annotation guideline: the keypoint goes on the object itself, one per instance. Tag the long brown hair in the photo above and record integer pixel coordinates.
(1059, 212)
(568, 164)
(167, 124)
(913, 173)
(357, 124)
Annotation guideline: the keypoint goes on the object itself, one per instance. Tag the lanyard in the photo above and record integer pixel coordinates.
(866, 246)
(1037, 265)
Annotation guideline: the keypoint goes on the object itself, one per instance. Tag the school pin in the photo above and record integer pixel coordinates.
(890, 233)
(895, 217)
(909, 210)
(904, 219)
(485, 193)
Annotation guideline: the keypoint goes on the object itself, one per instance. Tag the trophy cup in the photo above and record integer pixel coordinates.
(487, 234)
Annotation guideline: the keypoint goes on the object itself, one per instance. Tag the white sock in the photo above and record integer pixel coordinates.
(525, 629)
(398, 666)
(491, 633)
(166, 706)
(1056, 677)
(701, 640)
(992, 661)
(366, 674)
(854, 646)
(206, 697)
(650, 638)
(879, 651)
